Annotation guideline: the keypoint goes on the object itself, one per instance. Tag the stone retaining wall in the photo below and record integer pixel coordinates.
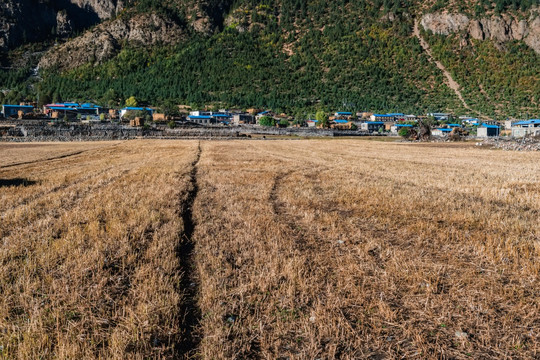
(34, 131)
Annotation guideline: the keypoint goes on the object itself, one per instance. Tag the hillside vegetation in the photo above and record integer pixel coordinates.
(295, 56)
(512, 90)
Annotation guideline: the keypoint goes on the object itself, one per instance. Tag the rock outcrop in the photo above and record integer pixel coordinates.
(64, 26)
(445, 24)
(106, 40)
(533, 36)
(498, 29)
(23, 21)
(104, 9)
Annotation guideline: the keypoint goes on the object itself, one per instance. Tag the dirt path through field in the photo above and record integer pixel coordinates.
(89, 264)
(190, 283)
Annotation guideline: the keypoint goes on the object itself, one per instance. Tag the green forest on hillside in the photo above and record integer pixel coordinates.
(497, 83)
(339, 60)
(299, 56)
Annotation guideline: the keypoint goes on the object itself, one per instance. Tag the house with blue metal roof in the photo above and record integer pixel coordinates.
(390, 117)
(88, 109)
(372, 126)
(382, 117)
(125, 110)
(528, 123)
(487, 130)
(526, 128)
(71, 109)
(13, 110)
(441, 131)
(202, 119)
(398, 116)
(343, 115)
(222, 116)
(60, 109)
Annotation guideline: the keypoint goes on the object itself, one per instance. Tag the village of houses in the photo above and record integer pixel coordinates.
(362, 122)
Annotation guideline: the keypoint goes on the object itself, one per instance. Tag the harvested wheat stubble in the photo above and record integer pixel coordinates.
(14, 153)
(351, 249)
(293, 249)
(90, 269)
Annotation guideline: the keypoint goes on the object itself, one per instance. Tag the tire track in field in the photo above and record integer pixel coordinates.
(59, 157)
(28, 200)
(306, 244)
(279, 208)
(70, 201)
(190, 313)
(46, 159)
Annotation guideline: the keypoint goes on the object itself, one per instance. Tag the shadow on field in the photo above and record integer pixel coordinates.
(16, 182)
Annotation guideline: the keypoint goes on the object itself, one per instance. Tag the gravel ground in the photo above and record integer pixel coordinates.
(521, 144)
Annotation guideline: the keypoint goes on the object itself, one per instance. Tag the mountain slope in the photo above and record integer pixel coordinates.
(24, 21)
(452, 84)
(274, 56)
(303, 55)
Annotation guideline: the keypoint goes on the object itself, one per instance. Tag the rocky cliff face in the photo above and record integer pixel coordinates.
(106, 40)
(142, 29)
(23, 21)
(103, 9)
(498, 29)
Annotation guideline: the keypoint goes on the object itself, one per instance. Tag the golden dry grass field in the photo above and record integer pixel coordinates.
(316, 249)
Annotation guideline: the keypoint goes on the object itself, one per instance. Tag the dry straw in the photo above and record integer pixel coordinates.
(302, 249)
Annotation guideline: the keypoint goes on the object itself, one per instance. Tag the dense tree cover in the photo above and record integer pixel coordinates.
(286, 62)
(300, 56)
(497, 83)
(481, 7)
(501, 5)
(16, 82)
